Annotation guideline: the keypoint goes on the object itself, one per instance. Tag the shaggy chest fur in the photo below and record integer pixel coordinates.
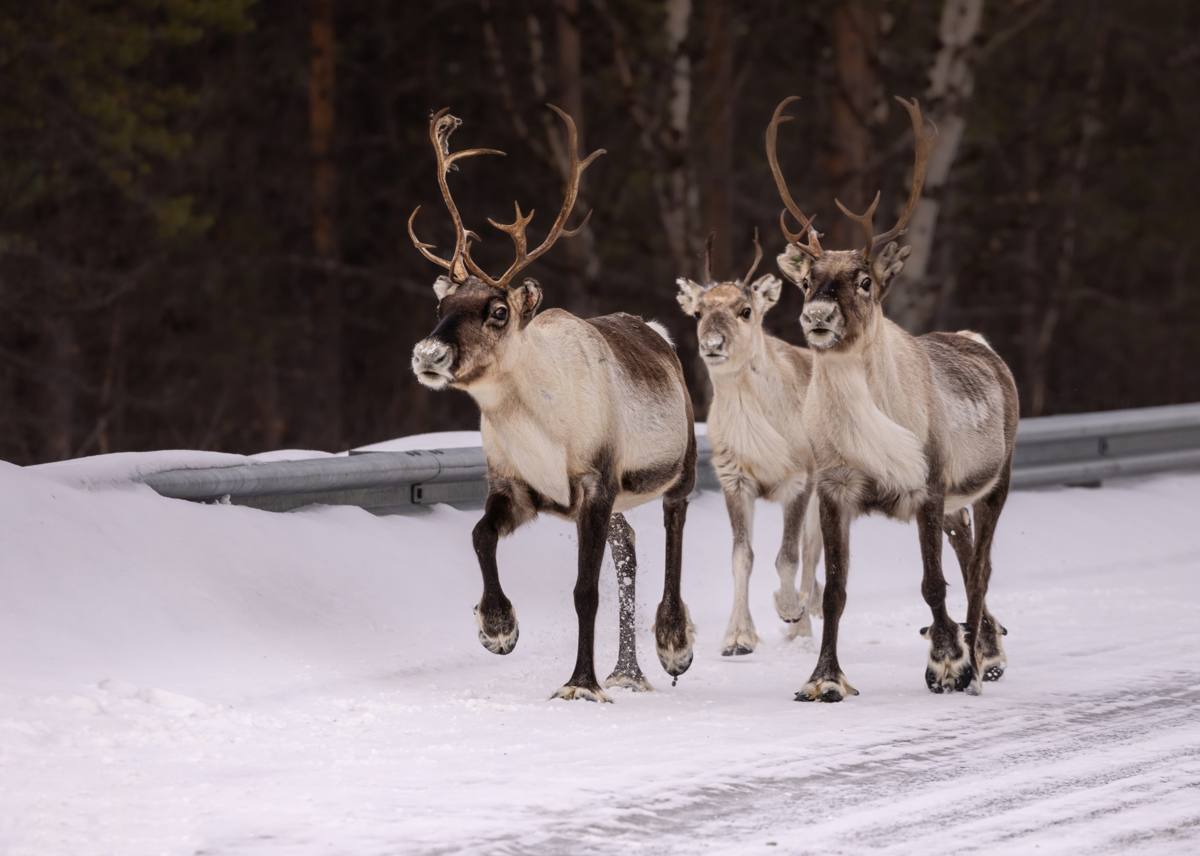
(858, 427)
(756, 430)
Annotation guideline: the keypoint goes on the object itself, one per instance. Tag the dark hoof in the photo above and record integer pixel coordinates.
(737, 651)
(962, 681)
(500, 644)
(993, 673)
(498, 630)
(675, 664)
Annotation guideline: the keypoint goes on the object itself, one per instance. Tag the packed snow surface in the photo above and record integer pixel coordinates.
(190, 679)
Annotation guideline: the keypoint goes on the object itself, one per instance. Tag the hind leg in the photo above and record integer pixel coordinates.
(799, 526)
(950, 663)
(958, 530)
(627, 673)
(982, 627)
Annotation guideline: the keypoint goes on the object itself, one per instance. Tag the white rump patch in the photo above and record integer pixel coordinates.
(662, 331)
(976, 337)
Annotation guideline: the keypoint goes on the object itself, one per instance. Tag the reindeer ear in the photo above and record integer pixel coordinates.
(889, 264)
(443, 287)
(526, 298)
(795, 264)
(764, 292)
(689, 295)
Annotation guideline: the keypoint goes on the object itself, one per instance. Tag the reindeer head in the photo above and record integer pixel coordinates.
(480, 315)
(729, 313)
(844, 289)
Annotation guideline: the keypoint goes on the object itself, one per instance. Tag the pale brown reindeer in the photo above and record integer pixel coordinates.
(760, 448)
(912, 427)
(579, 418)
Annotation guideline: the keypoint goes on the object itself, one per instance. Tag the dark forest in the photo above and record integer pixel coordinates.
(203, 203)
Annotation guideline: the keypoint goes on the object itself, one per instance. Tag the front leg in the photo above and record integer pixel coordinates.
(828, 683)
(592, 520)
(949, 668)
(494, 613)
(740, 635)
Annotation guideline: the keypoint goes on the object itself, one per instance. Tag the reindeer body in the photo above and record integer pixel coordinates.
(571, 397)
(901, 405)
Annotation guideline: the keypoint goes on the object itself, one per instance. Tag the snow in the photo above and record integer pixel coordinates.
(180, 678)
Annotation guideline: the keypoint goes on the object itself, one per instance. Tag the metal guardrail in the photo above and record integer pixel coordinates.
(1079, 449)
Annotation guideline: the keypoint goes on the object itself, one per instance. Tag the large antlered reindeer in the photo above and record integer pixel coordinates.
(760, 448)
(579, 418)
(912, 427)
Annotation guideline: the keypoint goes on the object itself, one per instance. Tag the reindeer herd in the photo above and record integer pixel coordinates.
(587, 418)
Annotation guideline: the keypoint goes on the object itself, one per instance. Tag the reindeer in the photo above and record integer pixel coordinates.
(760, 448)
(912, 427)
(580, 418)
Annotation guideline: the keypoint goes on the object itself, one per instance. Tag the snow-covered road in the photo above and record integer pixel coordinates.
(192, 679)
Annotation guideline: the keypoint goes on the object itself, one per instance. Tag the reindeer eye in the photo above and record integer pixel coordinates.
(806, 284)
(745, 313)
(865, 283)
(500, 313)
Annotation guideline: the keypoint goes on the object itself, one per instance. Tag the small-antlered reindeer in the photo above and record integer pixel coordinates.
(908, 426)
(759, 445)
(579, 418)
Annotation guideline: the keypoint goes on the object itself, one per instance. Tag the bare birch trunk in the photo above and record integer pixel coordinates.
(951, 82)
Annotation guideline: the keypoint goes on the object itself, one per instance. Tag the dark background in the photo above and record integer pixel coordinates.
(203, 202)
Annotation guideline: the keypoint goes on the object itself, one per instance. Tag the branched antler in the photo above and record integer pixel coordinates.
(813, 246)
(516, 229)
(441, 126)
(923, 141)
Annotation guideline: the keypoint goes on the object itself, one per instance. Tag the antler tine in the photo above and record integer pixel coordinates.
(923, 142)
(441, 126)
(758, 254)
(516, 229)
(813, 247)
(423, 247)
(865, 220)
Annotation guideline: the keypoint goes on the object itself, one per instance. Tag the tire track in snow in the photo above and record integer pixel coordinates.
(1014, 774)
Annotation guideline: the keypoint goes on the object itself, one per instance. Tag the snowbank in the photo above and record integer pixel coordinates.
(177, 678)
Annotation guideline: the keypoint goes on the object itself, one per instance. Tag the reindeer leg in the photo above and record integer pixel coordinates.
(792, 605)
(811, 555)
(828, 683)
(497, 621)
(673, 629)
(984, 630)
(628, 673)
(740, 635)
(595, 509)
(949, 668)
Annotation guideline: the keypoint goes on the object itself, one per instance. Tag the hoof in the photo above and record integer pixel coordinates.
(572, 692)
(674, 635)
(739, 641)
(993, 673)
(949, 667)
(634, 681)
(826, 690)
(498, 633)
(788, 605)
